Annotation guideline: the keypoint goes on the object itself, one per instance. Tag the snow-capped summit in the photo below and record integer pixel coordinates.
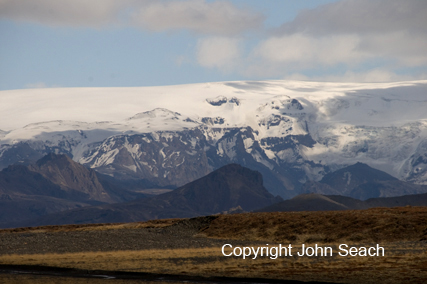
(157, 112)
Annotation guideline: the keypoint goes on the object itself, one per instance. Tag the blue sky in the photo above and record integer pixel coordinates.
(119, 43)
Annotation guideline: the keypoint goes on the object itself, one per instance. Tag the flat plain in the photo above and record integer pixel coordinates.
(191, 248)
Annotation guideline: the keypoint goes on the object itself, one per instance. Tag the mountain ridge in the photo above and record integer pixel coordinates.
(231, 188)
(362, 182)
(55, 183)
(290, 131)
(226, 188)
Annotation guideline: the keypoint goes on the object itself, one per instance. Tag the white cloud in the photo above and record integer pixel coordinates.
(361, 17)
(218, 52)
(218, 17)
(378, 38)
(306, 51)
(405, 48)
(93, 13)
(351, 34)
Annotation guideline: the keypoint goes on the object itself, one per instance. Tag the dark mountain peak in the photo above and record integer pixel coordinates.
(364, 169)
(352, 176)
(227, 187)
(360, 166)
(234, 171)
(70, 175)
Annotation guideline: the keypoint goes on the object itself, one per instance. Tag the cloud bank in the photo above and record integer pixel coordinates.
(362, 39)
(217, 18)
(220, 17)
(349, 33)
(76, 13)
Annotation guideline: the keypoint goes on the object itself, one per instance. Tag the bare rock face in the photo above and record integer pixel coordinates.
(176, 158)
(166, 159)
(55, 183)
(213, 120)
(69, 175)
(218, 101)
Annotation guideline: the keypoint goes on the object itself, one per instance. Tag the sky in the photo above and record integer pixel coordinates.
(129, 43)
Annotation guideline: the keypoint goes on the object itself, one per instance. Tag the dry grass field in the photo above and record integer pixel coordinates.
(401, 231)
(405, 262)
(371, 225)
(93, 227)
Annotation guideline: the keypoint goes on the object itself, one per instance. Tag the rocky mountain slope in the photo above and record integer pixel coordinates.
(55, 183)
(229, 187)
(362, 182)
(291, 132)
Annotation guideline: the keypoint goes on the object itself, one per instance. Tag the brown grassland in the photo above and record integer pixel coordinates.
(93, 227)
(401, 231)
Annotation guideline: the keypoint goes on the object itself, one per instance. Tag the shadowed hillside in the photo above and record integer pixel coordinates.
(56, 183)
(226, 188)
(362, 182)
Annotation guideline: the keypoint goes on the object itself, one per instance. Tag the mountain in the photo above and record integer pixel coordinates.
(405, 200)
(291, 132)
(319, 188)
(350, 177)
(54, 183)
(229, 187)
(386, 189)
(71, 176)
(362, 182)
(318, 202)
(226, 188)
